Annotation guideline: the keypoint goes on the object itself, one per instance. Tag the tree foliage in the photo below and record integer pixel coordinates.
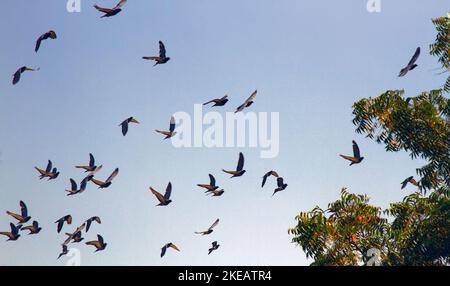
(415, 231)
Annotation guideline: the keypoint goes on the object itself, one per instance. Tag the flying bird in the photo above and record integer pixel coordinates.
(50, 34)
(76, 237)
(91, 167)
(74, 188)
(211, 185)
(215, 193)
(410, 180)
(99, 244)
(125, 123)
(356, 159)
(171, 245)
(218, 101)
(239, 169)
(13, 234)
(33, 229)
(162, 59)
(247, 103)
(109, 12)
(411, 65)
(171, 132)
(91, 220)
(23, 217)
(268, 174)
(65, 251)
(209, 230)
(48, 172)
(163, 200)
(65, 219)
(18, 73)
(215, 246)
(108, 182)
(281, 186)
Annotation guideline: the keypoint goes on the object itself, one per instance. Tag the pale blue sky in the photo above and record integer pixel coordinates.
(309, 60)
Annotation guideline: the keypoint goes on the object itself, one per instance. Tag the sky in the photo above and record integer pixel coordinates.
(309, 61)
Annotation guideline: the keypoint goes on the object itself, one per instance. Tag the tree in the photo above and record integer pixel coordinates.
(415, 231)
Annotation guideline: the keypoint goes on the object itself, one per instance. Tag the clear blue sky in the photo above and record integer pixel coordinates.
(309, 60)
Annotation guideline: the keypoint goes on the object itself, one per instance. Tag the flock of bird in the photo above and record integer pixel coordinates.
(92, 169)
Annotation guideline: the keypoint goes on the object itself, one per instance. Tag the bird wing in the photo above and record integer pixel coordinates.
(280, 182)
(214, 224)
(163, 250)
(38, 42)
(224, 97)
(100, 239)
(251, 98)
(214, 100)
(414, 57)
(73, 184)
(172, 124)
(124, 127)
(168, 191)
(240, 164)
(152, 58)
(157, 195)
(14, 215)
(120, 4)
(91, 160)
(265, 179)
(162, 50)
(84, 182)
(88, 224)
(174, 247)
(212, 180)
(113, 175)
(94, 243)
(97, 182)
(356, 153)
(16, 77)
(35, 224)
(98, 220)
(49, 166)
(104, 10)
(214, 243)
(23, 209)
(164, 132)
(350, 158)
(240, 108)
(404, 183)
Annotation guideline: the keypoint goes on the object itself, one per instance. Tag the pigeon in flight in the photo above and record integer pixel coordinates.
(65, 251)
(13, 234)
(410, 180)
(171, 132)
(18, 73)
(218, 101)
(48, 35)
(76, 237)
(48, 172)
(211, 185)
(108, 182)
(125, 123)
(162, 59)
(91, 220)
(168, 245)
(239, 169)
(65, 219)
(268, 174)
(74, 188)
(33, 229)
(209, 230)
(163, 200)
(99, 244)
(215, 246)
(356, 159)
(92, 168)
(247, 103)
(281, 186)
(109, 12)
(23, 217)
(411, 65)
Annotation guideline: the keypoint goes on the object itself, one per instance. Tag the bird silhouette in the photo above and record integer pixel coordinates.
(76, 237)
(125, 123)
(410, 180)
(166, 246)
(218, 101)
(162, 58)
(211, 185)
(356, 159)
(23, 217)
(281, 186)
(109, 12)
(65, 251)
(49, 173)
(209, 230)
(13, 234)
(268, 174)
(163, 200)
(411, 65)
(74, 188)
(247, 103)
(92, 168)
(33, 229)
(215, 246)
(91, 220)
(171, 132)
(239, 169)
(99, 244)
(108, 182)
(65, 219)
(48, 35)
(17, 75)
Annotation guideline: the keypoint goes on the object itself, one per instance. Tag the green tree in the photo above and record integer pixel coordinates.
(415, 231)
